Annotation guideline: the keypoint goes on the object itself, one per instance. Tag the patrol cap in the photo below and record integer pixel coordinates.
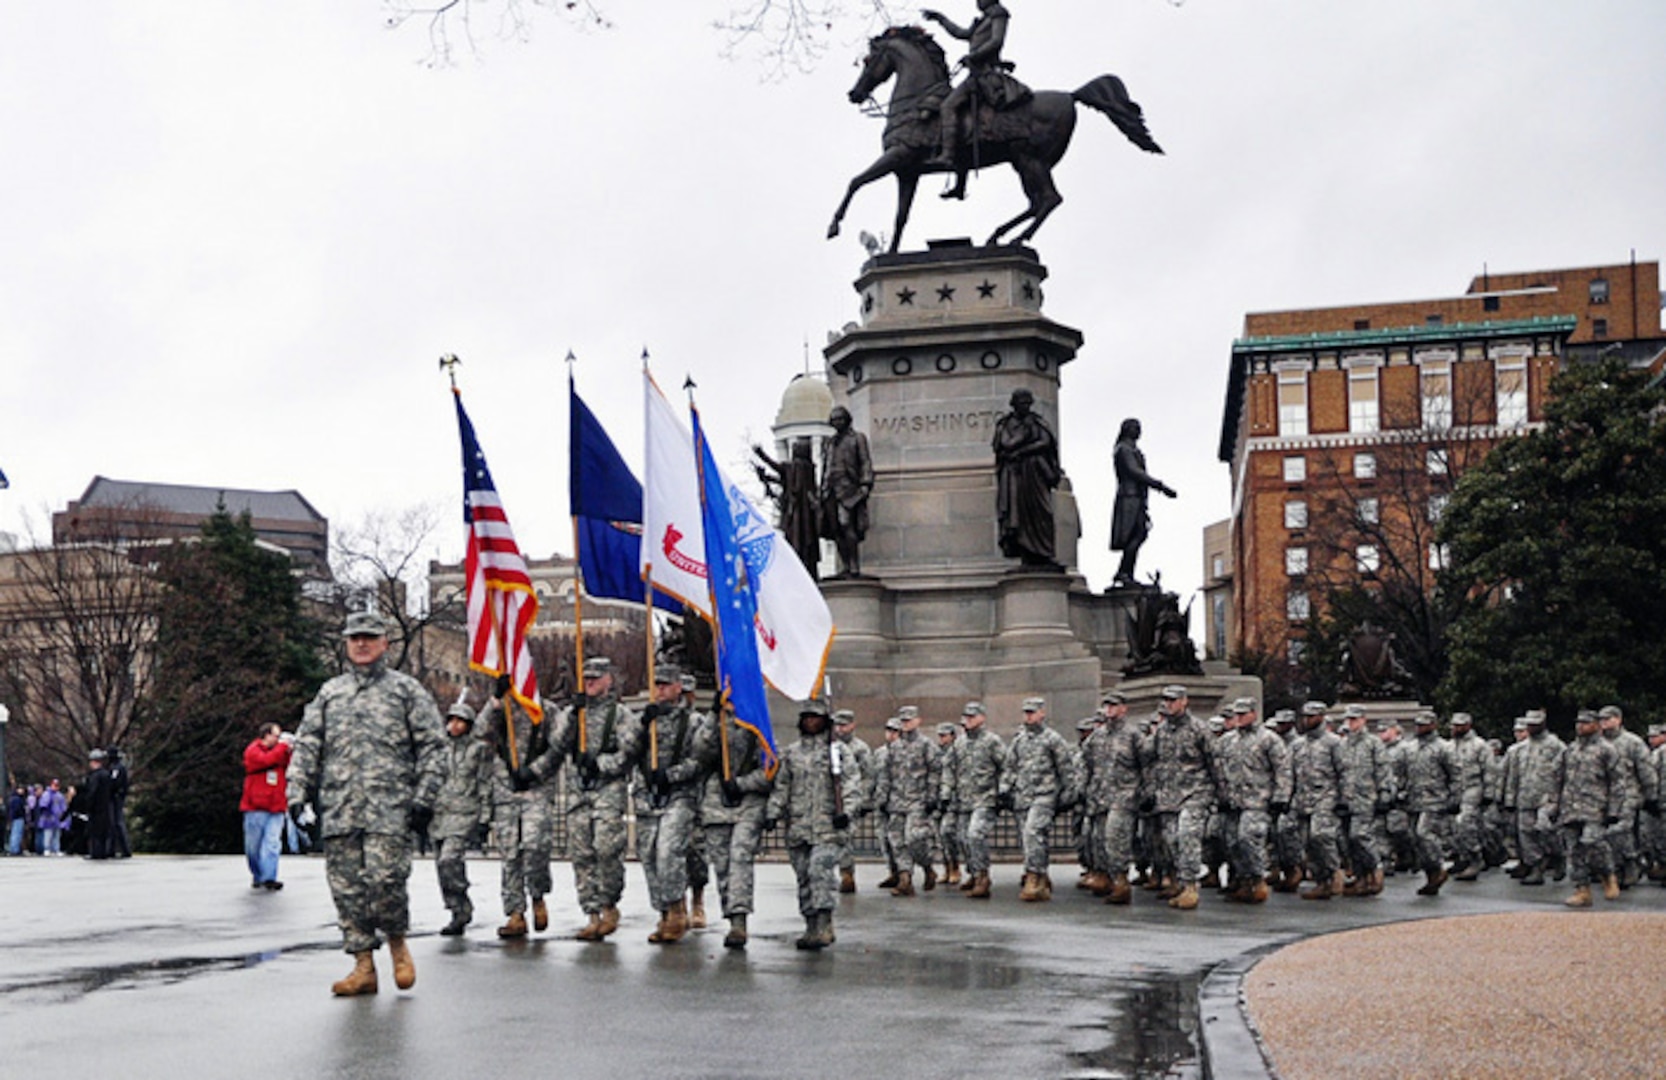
(461, 712)
(1244, 705)
(845, 716)
(1608, 711)
(96, 754)
(812, 707)
(894, 724)
(908, 712)
(1657, 729)
(1086, 724)
(1284, 716)
(1034, 704)
(1520, 724)
(1462, 719)
(974, 708)
(688, 682)
(947, 728)
(1353, 712)
(1314, 708)
(1113, 697)
(1586, 716)
(667, 675)
(1426, 716)
(597, 666)
(364, 624)
(1217, 724)
(1174, 691)
(1535, 717)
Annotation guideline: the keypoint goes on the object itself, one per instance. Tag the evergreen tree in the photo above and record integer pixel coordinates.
(1559, 540)
(234, 649)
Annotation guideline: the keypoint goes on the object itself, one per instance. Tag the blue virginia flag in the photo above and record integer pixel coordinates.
(734, 604)
(606, 502)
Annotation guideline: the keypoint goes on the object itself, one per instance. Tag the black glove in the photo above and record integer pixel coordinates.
(653, 711)
(659, 781)
(717, 702)
(1611, 820)
(1486, 801)
(522, 779)
(769, 824)
(731, 793)
(841, 821)
(420, 818)
(1509, 808)
(1343, 810)
(1383, 806)
(1004, 801)
(1278, 808)
(1147, 805)
(932, 806)
(1652, 806)
(589, 773)
(1454, 808)
(580, 700)
(501, 687)
(477, 837)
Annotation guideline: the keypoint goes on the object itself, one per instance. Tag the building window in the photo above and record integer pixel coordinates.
(1297, 607)
(1489, 303)
(1218, 603)
(1440, 556)
(1599, 290)
(1362, 324)
(1432, 320)
(1292, 404)
(1296, 651)
(1295, 514)
(1295, 561)
(1436, 382)
(1369, 514)
(1599, 328)
(1362, 400)
(1512, 391)
(1437, 462)
(1365, 466)
(1366, 557)
(1437, 507)
(1295, 469)
(1217, 566)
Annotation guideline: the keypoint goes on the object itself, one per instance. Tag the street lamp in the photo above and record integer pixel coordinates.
(5, 777)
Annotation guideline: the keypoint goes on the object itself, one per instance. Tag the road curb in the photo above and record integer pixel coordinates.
(1231, 1047)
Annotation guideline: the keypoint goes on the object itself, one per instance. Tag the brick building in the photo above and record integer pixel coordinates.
(1345, 428)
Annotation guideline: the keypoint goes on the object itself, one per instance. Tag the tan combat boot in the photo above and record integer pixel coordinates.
(890, 880)
(697, 911)
(1120, 891)
(1046, 887)
(1610, 888)
(658, 936)
(847, 881)
(592, 930)
(1581, 897)
(930, 881)
(610, 921)
(515, 927)
(1321, 891)
(361, 980)
(677, 922)
(905, 883)
(540, 915)
(1258, 892)
(951, 874)
(1434, 879)
(404, 968)
(1030, 891)
(1185, 899)
(736, 937)
(980, 887)
(968, 881)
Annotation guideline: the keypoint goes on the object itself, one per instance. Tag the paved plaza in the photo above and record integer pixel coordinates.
(173, 967)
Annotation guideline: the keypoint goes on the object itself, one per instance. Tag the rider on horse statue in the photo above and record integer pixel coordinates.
(988, 79)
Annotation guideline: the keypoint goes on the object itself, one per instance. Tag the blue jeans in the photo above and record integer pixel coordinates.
(49, 839)
(14, 842)
(262, 842)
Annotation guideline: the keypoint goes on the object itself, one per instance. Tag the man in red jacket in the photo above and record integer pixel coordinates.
(264, 807)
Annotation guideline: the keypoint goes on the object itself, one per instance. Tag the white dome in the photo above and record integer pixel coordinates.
(807, 401)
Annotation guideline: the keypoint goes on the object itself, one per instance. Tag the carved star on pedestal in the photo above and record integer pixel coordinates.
(1029, 290)
(905, 296)
(945, 292)
(986, 290)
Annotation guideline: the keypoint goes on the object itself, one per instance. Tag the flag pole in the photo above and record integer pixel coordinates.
(722, 699)
(648, 613)
(578, 580)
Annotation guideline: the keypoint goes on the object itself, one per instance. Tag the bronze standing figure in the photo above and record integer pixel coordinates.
(846, 481)
(1131, 519)
(1026, 472)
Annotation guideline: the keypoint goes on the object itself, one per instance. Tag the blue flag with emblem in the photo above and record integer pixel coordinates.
(606, 502)
(734, 603)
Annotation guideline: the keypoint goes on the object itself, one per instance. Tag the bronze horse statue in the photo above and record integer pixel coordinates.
(1031, 137)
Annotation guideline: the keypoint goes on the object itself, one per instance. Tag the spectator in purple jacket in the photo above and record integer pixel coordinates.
(53, 815)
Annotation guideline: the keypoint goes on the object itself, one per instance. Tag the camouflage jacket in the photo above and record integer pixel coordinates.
(464, 800)
(1319, 771)
(612, 744)
(1362, 754)
(746, 765)
(1255, 769)
(981, 758)
(1038, 766)
(1531, 770)
(878, 763)
(1494, 788)
(910, 779)
(1588, 786)
(674, 733)
(1637, 777)
(803, 799)
(1470, 753)
(1431, 775)
(1176, 757)
(948, 776)
(370, 746)
(863, 753)
(533, 749)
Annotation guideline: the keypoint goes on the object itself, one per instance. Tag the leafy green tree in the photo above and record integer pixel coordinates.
(1559, 537)
(234, 648)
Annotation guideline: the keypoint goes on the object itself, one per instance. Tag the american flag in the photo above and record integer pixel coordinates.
(501, 603)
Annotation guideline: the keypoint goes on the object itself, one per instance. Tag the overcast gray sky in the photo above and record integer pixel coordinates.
(237, 237)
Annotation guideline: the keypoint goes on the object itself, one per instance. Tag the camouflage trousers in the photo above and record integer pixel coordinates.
(1653, 830)
(1091, 845)
(732, 850)
(452, 870)
(1589, 857)
(1430, 839)
(1467, 836)
(1320, 833)
(1183, 833)
(1287, 841)
(1397, 837)
(1035, 827)
(1539, 840)
(1363, 856)
(817, 869)
(698, 872)
(1248, 832)
(1622, 839)
(662, 842)
(953, 845)
(596, 844)
(912, 836)
(976, 825)
(524, 829)
(367, 873)
(1118, 838)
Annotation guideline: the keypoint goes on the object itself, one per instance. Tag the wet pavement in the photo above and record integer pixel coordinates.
(177, 969)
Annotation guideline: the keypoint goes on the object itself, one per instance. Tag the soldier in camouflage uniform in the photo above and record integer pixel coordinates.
(1255, 785)
(732, 809)
(948, 802)
(1470, 752)
(597, 792)
(844, 730)
(462, 812)
(1087, 845)
(1037, 780)
(908, 789)
(1217, 855)
(1588, 797)
(523, 814)
(1400, 842)
(981, 758)
(1494, 836)
(1431, 795)
(1654, 825)
(667, 796)
(816, 792)
(1642, 794)
(1361, 768)
(1178, 756)
(370, 757)
(877, 798)
(1318, 802)
(1117, 780)
(699, 869)
(1529, 792)
(1286, 829)
(1094, 769)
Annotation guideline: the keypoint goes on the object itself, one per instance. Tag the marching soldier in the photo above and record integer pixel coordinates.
(1117, 776)
(462, 813)
(1319, 801)
(948, 802)
(1432, 793)
(1642, 793)
(733, 814)
(844, 730)
(1256, 783)
(1589, 796)
(815, 795)
(1470, 752)
(1361, 767)
(597, 794)
(1286, 829)
(1184, 786)
(876, 794)
(1037, 781)
(667, 788)
(910, 795)
(523, 781)
(981, 761)
(1529, 792)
